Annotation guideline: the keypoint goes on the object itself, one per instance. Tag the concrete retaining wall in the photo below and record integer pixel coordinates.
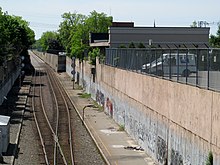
(58, 63)
(6, 85)
(169, 120)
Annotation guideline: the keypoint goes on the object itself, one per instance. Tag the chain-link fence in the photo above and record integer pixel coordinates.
(199, 66)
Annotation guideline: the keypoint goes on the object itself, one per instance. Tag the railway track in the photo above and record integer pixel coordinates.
(64, 138)
(44, 131)
(55, 136)
(64, 129)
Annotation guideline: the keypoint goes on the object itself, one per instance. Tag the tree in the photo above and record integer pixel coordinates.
(131, 45)
(15, 36)
(75, 28)
(194, 24)
(49, 42)
(68, 27)
(93, 54)
(98, 22)
(215, 40)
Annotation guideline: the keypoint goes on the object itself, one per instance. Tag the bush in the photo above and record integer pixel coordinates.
(131, 45)
(141, 45)
(209, 160)
(93, 54)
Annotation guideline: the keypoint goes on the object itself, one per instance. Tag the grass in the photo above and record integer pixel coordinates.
(121, 128)
(88, 96)
(85, 95)
(99, 107)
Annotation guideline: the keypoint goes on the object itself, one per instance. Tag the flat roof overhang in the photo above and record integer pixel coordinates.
(99, 44)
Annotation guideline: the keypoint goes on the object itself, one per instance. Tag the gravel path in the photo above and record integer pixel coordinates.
(29, 149)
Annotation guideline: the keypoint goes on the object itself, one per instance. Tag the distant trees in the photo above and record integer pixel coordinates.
(215, 40)
(194, 24)
(93, 54)
(50, 42)
(15, 36)
(75, 28)
(73, 33)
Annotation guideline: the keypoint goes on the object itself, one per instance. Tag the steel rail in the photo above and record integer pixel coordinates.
(57, 120)
(42, 104)
(37, 125)
(57, 82)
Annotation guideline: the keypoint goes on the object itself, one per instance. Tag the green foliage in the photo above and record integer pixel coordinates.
(215, 40)
(99, 107)
(37, 45)
(131, 45)
(85, 95)
(49, 42)
(15, 36)
(194, 24)
(93, 54)
(98, 22)
(122, 46)
(75, 28)
(209, 160)
(121, 128)
(71, 33)
(141, 45)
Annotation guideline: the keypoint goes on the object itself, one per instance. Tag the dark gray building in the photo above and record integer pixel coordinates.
(124, 34)
(158, 36)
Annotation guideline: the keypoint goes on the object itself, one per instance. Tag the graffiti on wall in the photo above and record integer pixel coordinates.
(176, 158)
(84, 83)
(152, 136)
(187, 160)
(119, 112)
(100, 98)
(144, 133)
(140, 131)
(161, 150)
(109, 106)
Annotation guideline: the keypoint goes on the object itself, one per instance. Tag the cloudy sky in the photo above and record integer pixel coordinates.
(45, 15)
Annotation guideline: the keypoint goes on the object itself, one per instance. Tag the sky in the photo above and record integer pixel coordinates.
(45, 15)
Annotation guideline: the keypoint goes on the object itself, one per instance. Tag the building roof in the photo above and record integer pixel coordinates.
(4, 120)
(124, 33)
(158, 35)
